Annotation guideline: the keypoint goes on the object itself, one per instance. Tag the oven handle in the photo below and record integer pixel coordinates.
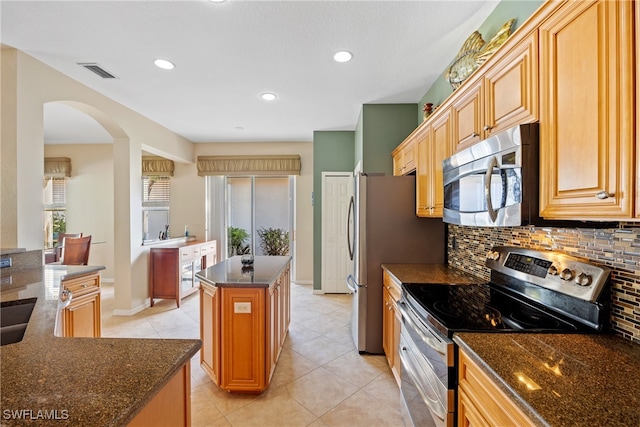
(433, 404)
(431, 341)
(493, 215)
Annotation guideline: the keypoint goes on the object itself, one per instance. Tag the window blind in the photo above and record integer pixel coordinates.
(249, 165)
(156, 191)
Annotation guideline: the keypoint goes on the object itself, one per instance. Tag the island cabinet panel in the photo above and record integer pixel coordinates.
(587, 133)
(210, 327)
(171, 406)
(481, 402)
(82, 317)
(244, 321)
(243, 339)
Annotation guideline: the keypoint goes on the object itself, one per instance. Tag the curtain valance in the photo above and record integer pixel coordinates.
(249, 165)
(57, 167)
(157, 166)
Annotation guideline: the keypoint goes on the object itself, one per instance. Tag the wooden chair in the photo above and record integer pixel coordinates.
(75, 251)
(58, 247)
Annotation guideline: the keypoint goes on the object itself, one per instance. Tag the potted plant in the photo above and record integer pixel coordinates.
(237, 237)
(274, 241)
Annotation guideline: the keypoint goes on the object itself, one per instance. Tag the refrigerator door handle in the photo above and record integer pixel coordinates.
(353, 285)
(351, 211)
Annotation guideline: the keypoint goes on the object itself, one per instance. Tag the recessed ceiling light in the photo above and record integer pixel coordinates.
(217, 1)
(268, 96)
(343, 56)
(164, 64)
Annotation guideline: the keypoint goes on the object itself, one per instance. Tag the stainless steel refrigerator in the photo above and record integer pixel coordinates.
(383, 228)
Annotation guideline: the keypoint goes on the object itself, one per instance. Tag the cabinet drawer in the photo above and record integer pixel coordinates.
(492, 403)
(189, 253)
(82, 285)
(208, 249)
(394, 288)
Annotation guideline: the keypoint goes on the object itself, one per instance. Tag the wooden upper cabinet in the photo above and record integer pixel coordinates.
(504, 96)
(434, 145)
(404, 157)
(587, 162)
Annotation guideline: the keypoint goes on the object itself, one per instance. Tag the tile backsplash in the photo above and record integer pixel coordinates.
(616, 248)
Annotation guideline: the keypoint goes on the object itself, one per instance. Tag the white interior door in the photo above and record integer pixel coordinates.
(337, 189)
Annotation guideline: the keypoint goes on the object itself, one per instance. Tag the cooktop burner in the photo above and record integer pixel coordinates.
(480, 307)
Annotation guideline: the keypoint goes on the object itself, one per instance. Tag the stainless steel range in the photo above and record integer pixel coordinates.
(529, 291)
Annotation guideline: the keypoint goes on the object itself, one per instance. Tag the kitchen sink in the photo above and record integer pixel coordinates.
(14, 318)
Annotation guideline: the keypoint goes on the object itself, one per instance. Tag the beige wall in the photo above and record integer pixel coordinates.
(27, 85)
(303, 233)
(90, 198)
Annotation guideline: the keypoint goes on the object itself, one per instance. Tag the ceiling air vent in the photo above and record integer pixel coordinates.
(98, 70)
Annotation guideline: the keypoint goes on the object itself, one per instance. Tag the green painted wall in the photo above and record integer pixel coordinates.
(381, 128)
(521, 10)
(333, 151)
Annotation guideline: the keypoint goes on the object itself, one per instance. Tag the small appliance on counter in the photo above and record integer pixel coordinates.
(529, 291)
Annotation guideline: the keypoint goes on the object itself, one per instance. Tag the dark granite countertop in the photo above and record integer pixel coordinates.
(86, 381)
(231, 273)
(430, 273)
(584, 380)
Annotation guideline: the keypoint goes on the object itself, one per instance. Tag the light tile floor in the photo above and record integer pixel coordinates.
(320, 379)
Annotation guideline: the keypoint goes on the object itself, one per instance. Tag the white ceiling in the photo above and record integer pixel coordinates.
(226, 54)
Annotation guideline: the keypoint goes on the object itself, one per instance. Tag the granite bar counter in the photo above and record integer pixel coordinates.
(231, 272)
(430, 273)
(583, 380)
(49, 380)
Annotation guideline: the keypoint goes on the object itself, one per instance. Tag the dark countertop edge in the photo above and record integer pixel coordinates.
(453, 275)
(522, 404)
(260, 284)
(186, 358)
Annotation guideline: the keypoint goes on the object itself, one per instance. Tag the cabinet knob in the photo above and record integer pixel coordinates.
(604, 195)
(475, 135)
(487, 128)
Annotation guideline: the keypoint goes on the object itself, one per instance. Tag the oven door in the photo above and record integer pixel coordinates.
(427, 372)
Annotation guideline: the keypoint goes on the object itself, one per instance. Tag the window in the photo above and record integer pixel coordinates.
(54, 198)
(259, 215)
(156, 195)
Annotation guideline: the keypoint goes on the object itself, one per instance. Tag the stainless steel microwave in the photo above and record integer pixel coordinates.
(494, 183)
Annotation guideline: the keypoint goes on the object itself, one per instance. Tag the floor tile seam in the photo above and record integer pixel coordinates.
(328, 410)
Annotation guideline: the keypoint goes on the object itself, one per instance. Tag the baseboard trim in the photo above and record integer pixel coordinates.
(303, 282)
(135, 310)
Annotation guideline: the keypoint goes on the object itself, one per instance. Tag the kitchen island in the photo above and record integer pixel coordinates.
(48, 380)
(244, 318)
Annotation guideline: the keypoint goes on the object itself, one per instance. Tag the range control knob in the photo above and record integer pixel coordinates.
(553, 270)
(583, 279)
(493, 255)
(566, 274)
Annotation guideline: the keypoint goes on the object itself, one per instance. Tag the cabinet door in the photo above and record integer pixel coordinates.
(272, 330)
(441, 148)
(422, 175)
(243, 342)
(587, 111)
(210, 331)
(82, 317)
(387, 326)
(398, 162)
(511, 88)
(467, 113)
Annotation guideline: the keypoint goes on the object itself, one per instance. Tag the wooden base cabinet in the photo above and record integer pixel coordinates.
(481, 402)
(81, 318)
(171, 406)
(172, 269)
(391, 323)
(243, 330)
(587, 135)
